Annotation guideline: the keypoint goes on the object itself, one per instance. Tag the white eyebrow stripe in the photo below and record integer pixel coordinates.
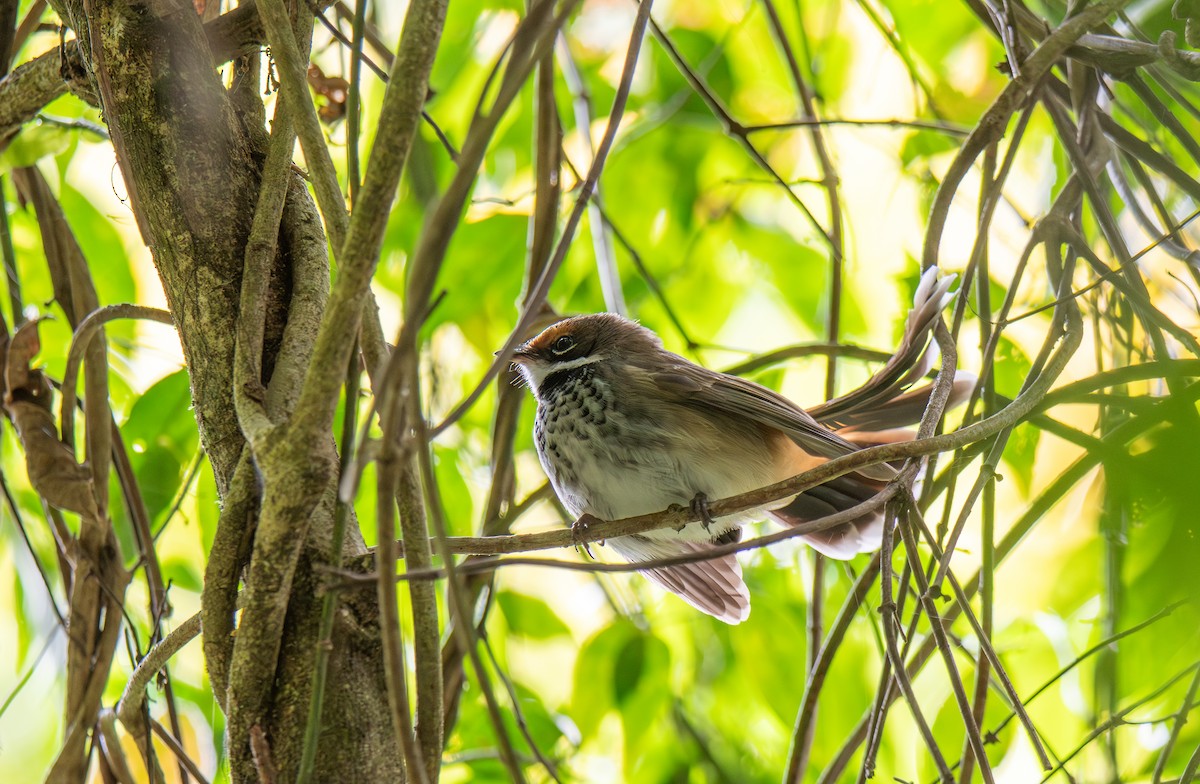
(536, 372)
(573, 363)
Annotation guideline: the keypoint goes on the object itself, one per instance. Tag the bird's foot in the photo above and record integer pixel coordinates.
(699, 507)
(581, 531)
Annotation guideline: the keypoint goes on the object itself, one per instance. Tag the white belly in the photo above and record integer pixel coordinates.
(596, 473)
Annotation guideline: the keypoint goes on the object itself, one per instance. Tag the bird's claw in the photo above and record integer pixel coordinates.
(580, 530)
(699, 508)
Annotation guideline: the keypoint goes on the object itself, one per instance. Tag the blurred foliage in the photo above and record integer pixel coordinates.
(610, 678)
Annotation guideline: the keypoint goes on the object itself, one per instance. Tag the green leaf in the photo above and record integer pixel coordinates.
(592, 696)
(24, 633)
(207, 505)
(183, 573)
(1011, 367)
(159, 475)
(1020, 453)
(640, 672)
(530, 617)
(101, 244)
(544, 725)
(161, 436)
(156, 418)
(34, 142)
(922, 145)
(627, 671)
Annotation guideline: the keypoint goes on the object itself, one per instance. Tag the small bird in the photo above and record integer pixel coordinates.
(625, 427)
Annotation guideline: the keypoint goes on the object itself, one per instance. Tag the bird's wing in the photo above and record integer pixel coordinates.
(713, 586)
(701, 388)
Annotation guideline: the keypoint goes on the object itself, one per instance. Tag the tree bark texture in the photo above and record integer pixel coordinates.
(192, 157)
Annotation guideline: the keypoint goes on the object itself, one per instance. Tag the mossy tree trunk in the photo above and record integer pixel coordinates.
(192, 154)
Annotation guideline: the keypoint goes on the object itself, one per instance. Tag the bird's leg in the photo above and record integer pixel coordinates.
(581, 529)
(700, 508)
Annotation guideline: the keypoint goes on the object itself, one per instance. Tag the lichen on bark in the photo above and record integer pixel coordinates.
(192, 163)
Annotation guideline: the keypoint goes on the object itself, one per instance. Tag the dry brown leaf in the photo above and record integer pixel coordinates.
(51, 465)
(334, 89)
(24, 347)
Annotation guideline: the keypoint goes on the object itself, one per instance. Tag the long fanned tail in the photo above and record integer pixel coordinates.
(863, 406)
(712, 586)
(905, 410)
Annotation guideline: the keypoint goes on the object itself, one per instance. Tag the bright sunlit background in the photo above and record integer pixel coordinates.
(617, 680)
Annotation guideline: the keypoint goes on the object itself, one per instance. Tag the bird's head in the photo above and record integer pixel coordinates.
(583, 340)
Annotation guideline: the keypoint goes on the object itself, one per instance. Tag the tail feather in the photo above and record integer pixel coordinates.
(833, 496)
(712, 586)
(846, 540)
(907, 409)
(909, 362)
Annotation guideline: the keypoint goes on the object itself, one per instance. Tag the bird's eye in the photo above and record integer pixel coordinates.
(563, 345)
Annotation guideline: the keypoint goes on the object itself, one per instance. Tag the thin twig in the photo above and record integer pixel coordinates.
(829, 181)
(1118, 718)
(939, 634)
(890, 624)
(15, 511)
(360, 243)
(398, 489)
(734, 128)
(84, 333)
(172, 743)
(991, 126)
(291, 64)
(947, 128)
(518, 714)
(130, 705)
(873, 504)
(806, 718)
(1179, 719)
(1053, 493)
(606, 261)
(541, 288)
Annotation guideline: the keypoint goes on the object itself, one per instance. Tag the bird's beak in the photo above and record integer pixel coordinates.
(520, 356)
